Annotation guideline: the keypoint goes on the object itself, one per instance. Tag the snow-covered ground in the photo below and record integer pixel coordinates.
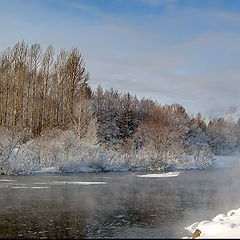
(221, 226)
(227, 161)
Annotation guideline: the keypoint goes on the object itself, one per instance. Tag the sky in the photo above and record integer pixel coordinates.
(172, 51)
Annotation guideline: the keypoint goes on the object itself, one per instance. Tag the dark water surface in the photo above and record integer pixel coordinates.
(127, 206)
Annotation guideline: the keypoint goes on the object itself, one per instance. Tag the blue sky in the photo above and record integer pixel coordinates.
(173, 51)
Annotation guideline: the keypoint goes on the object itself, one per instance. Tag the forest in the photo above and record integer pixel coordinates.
(51, 117)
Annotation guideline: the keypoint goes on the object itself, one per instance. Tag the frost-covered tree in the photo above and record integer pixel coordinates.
(197, 143)
(118, 115)
(162, 135)
(223, 136)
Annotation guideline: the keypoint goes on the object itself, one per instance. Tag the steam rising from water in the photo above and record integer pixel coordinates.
(128, 204)
(223, 191)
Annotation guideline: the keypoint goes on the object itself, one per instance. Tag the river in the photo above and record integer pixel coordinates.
(113, 205)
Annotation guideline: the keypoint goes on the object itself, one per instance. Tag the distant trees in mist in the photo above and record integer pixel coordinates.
(44, 90)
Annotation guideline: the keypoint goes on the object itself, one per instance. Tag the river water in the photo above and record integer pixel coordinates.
(113, 205)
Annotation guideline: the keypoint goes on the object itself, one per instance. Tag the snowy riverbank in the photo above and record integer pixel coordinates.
(85, 158)
(221, 226)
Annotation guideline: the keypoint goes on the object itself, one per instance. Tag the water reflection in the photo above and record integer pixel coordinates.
(126, 206)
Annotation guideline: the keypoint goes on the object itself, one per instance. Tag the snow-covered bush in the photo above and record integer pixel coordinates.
(64, 152)
(11, 141)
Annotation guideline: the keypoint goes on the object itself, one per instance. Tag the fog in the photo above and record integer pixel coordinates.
(125, 206)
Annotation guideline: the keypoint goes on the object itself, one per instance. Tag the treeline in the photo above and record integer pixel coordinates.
(165, 134)
(42, 90)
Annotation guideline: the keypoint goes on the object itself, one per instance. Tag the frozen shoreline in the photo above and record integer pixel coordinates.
(76, 167)
(221, 226)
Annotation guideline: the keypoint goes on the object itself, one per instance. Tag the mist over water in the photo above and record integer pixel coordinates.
(125, 206)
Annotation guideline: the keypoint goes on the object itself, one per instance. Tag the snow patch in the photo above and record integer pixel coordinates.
(169, 174)
(104, 177)
(46, 170)
(6, 180)
(25, 187)
(76, 183)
